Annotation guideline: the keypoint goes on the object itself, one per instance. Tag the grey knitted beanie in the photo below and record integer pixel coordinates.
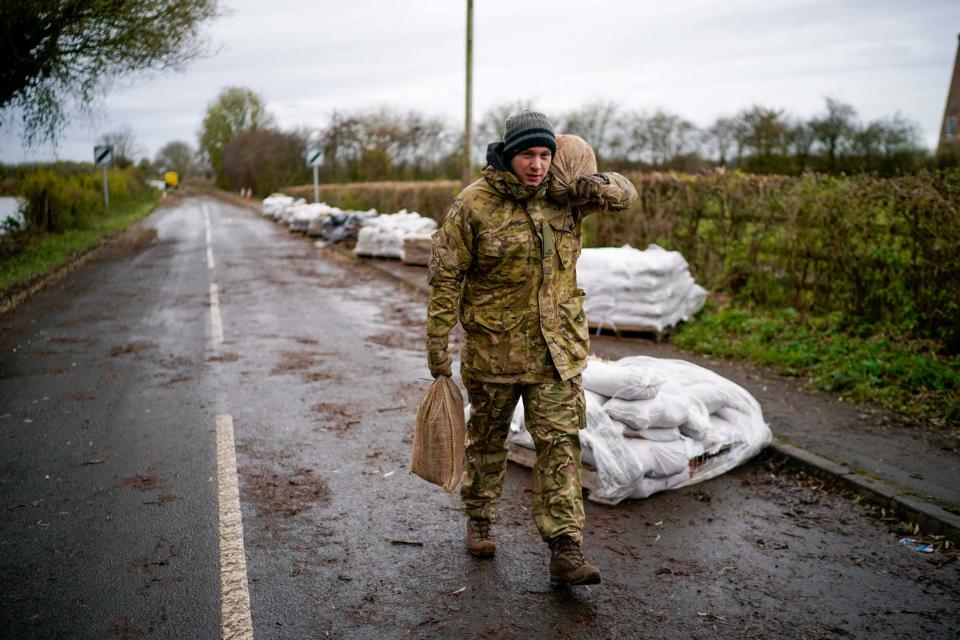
(527, 129)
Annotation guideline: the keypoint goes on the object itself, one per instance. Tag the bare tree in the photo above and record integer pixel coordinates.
(490, 127)
(720, 138)
(834, 130)
(125, 147)
(659, 138)
(800, 141)
(177, 156)
(598, 123)
(264, 160)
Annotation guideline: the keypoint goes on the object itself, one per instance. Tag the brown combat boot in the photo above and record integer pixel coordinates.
(567, 565)
(480, 542)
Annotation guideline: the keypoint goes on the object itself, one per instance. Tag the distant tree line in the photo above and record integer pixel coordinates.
(240, 145)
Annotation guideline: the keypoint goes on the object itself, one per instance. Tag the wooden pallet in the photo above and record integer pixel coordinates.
(525, 458)
(622, 330)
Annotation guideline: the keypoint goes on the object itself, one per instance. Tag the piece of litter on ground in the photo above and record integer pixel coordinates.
(389, 473)
(27, 420)
(93, 461)
(402, 405)
(412, 543)
(458, 591)
(919, 548)
(711, 616)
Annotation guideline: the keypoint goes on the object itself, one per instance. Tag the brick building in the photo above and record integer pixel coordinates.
(950, 128)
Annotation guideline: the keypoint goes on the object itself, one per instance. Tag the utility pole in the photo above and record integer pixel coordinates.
(468, 124)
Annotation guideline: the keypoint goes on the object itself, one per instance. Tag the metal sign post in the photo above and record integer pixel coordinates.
(103, 158)
(314, 158)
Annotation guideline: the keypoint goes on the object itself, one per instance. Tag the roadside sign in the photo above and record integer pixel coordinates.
(315, 159)
(103, 155)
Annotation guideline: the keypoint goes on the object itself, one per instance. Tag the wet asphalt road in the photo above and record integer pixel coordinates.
(110, 385)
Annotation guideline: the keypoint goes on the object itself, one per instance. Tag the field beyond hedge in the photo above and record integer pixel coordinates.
(850, 281)
(65, 217)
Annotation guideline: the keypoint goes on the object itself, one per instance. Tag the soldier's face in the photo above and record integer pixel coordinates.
(531, 165)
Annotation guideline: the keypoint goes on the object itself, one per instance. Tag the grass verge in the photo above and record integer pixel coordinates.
(912, 377)
(46, 253)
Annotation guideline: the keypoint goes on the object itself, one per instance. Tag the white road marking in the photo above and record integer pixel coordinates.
(210, 258)
(215, 322)
(235, 618)
(206, 222)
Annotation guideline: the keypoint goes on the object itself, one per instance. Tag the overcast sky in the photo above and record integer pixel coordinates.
(701, 59)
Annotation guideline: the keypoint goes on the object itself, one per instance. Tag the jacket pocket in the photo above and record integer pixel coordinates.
(501, 258)
(573, 323)
(496, 340)
(566, 239)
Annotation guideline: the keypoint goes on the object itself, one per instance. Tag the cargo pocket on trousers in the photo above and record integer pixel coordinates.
(580, 400)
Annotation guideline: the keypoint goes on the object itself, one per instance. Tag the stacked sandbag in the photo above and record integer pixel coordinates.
(637, 290)
(344, 226)
(281, 207)
(318, 220)
(315, 228)
(383, 236)
(656, 424)
(417, 248)
(275, 203)
(306, 215)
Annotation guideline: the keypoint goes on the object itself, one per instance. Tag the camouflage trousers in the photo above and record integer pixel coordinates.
(554, 412)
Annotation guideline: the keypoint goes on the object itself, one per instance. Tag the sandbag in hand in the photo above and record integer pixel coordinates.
(439, 362)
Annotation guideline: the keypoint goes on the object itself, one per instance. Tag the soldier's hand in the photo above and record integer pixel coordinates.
(587, 188)
(439, 362)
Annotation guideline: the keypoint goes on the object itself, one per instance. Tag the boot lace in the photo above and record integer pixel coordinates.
(481, 529)
(567, 549)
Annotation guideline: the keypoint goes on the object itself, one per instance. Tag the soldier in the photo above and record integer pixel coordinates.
(504, 263)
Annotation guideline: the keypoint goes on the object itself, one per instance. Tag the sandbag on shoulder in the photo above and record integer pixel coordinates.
(574, 158)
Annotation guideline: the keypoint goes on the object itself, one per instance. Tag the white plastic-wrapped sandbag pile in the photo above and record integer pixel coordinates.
(382, 237)
(305, 215)
(315, 219)
(656, 424)
(637, 290)
(276, 203)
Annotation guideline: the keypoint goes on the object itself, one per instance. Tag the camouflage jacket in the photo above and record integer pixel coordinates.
(504, 263)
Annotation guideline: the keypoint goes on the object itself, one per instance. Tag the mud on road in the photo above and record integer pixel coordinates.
(762, 552)
(108, 525)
